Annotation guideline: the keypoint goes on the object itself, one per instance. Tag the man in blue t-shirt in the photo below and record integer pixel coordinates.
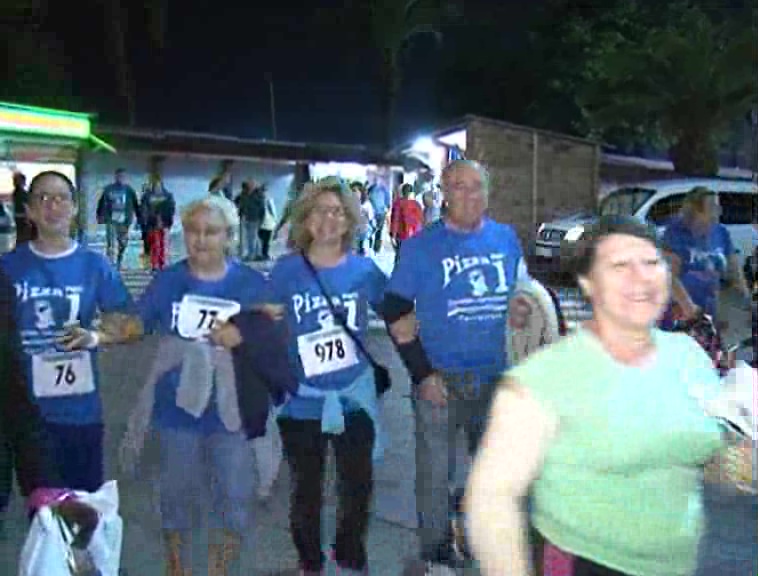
(453, 281)
(117, 209)
(701, 254)
(60, 288)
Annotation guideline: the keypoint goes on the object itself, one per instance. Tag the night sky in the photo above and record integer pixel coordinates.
(211, 75)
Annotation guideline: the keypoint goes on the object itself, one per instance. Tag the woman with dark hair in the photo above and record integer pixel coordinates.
(603, 429)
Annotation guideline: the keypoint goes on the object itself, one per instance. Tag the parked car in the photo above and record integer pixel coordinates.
(657, 202)
(7, 228)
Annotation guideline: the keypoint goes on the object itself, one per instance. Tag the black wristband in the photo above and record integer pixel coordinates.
(416, 361)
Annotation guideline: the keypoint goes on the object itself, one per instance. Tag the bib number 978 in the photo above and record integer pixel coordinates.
(330, 350)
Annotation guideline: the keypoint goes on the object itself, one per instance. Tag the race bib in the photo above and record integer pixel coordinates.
(198, 315)
(326, 351)
(62, 374)
(118, 215)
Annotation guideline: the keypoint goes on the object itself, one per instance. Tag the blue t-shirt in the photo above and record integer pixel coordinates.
(159, 309)
(704, 260)
(54, 291)
(354, 285)
(461, 285)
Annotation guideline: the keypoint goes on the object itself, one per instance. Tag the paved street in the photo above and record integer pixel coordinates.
(730, 549)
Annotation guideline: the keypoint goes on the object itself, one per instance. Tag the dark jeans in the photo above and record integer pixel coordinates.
(78, 452)
(377, 244)
(265, 237)
(305, 447)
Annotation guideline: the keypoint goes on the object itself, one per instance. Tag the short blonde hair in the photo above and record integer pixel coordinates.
(695, 202)
(227, 210)
(306, 202)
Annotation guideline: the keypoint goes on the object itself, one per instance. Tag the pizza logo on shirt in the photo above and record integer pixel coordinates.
(43, 312)
(478, 283)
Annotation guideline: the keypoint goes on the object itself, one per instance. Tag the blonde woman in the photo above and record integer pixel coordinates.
(192, 393)
(336, 401)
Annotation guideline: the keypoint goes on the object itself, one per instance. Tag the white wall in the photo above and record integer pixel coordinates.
(186, 177)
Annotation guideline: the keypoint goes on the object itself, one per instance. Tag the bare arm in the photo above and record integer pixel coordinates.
(678, 291)
(510, 458)
(737, 278)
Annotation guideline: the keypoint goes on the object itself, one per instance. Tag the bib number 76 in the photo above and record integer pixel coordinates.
(330, 350)
(65, 374)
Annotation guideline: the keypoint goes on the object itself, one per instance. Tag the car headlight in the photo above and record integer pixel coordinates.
(574, 234)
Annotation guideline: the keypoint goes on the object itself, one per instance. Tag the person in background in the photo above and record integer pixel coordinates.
(406, 218)
(381, 201)
(61, 287)
(700, 253)
(218, 194)
(158, 210)
(431, 200)
(268, 224)
(446, 307)
(613, 462)
(118, 208)
(24, 226)
(364, 233)
(251, 208)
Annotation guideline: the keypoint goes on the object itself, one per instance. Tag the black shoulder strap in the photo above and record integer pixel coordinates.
(339, 317)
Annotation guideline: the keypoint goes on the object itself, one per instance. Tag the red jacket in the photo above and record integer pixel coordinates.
(406, 219)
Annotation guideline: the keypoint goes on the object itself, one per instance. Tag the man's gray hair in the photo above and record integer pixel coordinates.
(456, 164)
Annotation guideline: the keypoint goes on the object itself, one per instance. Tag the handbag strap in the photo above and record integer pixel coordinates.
(339, 317)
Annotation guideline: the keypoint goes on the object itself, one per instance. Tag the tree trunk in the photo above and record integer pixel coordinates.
(117, 21)
(390, 92)
(695, 154)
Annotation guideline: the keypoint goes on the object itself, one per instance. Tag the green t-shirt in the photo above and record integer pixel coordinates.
(621, 481)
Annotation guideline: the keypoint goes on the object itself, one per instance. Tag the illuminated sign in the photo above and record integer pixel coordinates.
(33, 120)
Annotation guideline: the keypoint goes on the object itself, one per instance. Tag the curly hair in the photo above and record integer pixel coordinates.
(306, 202)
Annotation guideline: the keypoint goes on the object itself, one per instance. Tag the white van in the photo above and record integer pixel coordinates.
(656, 202)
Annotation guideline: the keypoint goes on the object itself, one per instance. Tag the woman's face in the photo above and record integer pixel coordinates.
(51, 206)
(628, 284)
(206, 236)
(327, 222)
(709, 215)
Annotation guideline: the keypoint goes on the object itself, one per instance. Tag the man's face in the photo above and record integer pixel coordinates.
(463, 188)
(51, 206)
(120, 177)
(19, 181)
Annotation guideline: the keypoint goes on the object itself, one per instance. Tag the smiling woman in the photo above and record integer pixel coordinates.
(602, 429)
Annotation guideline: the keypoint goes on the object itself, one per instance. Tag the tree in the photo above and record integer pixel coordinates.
(683, 82)
(394, 24)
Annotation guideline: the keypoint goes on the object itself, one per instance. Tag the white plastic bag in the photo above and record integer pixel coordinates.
(47, 550)
(736, 401)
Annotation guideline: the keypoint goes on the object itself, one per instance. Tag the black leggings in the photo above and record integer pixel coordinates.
(305, 446)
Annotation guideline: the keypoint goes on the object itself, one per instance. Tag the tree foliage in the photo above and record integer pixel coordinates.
(681, 81)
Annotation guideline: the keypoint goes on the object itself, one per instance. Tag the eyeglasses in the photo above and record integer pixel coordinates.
(333, 211)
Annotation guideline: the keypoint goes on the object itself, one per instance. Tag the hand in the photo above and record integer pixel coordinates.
(81, 518)
(273, 311)
(226, 335)
(432, 389)
(77, 338)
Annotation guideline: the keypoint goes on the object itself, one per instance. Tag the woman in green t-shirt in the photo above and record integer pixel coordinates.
(603, 430)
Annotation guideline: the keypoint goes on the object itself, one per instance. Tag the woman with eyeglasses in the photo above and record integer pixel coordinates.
(61, 287)
(323, 291)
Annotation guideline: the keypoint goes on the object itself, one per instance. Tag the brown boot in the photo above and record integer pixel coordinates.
(221, 555)
(174, 544)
